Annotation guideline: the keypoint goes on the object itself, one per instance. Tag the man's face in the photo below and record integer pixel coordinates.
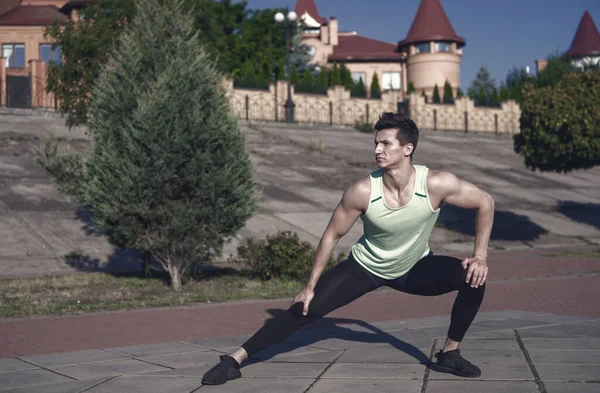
(388, 151)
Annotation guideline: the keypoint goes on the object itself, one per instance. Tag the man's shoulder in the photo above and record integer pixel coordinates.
(438, 179)
(357, 194)
(361, 187)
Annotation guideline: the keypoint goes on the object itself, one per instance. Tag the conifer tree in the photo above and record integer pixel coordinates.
(294, 77)
(459, 93)
(411, 88)
(307, 85)
(323, 80)
(359, 90)
(482, 98)
(448, 96)
(336, 76)
(375, 89)
(494, 98)
(436, 95)
(167, 173)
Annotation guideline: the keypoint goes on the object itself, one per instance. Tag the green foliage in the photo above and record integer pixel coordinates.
(282, 255)
(436, 95)
(516, 80)
(307, 84)
(494, 98)
(281, 72)
(471, 94)
(359, 90)
(560, 125)
(336, 76)
(483, 83)
(67, 170)
(424, 95)
(346, 77)
(459, 93)
(323, 79)
(294, 77)
(504, 95)
(85, 46)
(375, 89)
(448, 95)
(248, 79)
(411, 87)
(168, 173)
(556, 68)
(364, 126)
(482, 98)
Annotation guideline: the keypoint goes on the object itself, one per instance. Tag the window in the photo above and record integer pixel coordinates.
(14, 54)
(356, 76)
(422, 47)
(390, 80)
(47, 55)
(442, 46)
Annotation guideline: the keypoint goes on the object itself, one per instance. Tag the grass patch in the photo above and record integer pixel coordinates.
(83, 293)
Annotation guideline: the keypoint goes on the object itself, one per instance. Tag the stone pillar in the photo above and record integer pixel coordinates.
(33, 75)
(2, 81)
(404, 79)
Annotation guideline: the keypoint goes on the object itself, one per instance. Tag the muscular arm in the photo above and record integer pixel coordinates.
(354, 202)
(445, 187)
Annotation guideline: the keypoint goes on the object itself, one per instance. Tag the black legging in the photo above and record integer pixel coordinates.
(433, 275)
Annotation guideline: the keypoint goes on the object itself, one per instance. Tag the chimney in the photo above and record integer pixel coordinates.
(325, 34)
(333, 31)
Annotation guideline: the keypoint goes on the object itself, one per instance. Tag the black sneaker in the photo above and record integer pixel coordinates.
(451, 362)
(227, 369)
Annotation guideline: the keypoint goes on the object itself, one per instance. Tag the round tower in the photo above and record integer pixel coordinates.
(432, 50)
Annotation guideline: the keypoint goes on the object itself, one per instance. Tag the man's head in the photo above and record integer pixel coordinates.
(407, 132)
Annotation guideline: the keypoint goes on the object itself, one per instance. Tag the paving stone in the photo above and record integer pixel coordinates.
(502, 333)
(184, 360)
(220, 343)
(315, 357)
(579, 329)
(571, 387)
(478, 386)
(289, 370)
(484, 343)
(503, 324)
(564, 356)
(385, 354)
(65, 387)
(148, 384)
(261, 385)
(591, 343)
(495, 371)
(483, 357)
(154, 349)
(30, 377)
(78, 357)
(109, 368)
(9, 365)
(284, 350)
(375, 371)
(361, 386)
(568, 372)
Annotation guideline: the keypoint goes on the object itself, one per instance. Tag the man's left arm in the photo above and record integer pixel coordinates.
(457, 192)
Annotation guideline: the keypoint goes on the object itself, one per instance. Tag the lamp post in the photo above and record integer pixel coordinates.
(289, 19)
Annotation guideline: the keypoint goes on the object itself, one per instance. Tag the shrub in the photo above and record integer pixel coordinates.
(282, 255)
(436, 95)
(364, 126)
(448, 95)
(375, 89)
(560, 125)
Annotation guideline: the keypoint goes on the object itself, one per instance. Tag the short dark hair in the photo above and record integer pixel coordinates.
(406, 129)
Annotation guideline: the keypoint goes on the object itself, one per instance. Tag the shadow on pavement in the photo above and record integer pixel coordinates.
(586, 213)
(507, 225)
(327, 328)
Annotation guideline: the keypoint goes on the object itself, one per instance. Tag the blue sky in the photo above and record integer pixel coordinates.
(499, 33)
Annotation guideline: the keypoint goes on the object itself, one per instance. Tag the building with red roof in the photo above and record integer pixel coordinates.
(429, 55)
(22, 25)
(585, 47)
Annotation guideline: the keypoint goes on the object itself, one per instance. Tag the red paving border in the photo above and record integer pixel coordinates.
(519, 281)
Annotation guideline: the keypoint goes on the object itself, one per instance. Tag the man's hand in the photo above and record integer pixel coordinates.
(304, 296)
(477, 270)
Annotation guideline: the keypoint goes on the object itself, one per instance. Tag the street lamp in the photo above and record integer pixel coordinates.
(289, 20)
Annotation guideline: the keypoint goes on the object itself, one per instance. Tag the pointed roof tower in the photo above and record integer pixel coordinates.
(587, 39)
(431, 24)
(309, 7)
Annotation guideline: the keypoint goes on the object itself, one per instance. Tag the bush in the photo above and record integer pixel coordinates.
(448, 95)
(362, 125)
(375, 89)
(436, 95)
(560, 125)
(282, 255)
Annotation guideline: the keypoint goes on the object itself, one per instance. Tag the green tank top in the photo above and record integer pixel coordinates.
(395, 238)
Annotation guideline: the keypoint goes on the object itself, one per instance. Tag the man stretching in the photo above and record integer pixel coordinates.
(398, 204)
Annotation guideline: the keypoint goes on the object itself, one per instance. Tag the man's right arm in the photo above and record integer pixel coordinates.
(354, 202)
